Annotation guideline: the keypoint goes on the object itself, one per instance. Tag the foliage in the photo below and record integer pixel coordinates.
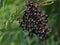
(11, 34)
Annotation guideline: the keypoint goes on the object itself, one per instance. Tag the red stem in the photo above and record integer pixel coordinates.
(40, 4)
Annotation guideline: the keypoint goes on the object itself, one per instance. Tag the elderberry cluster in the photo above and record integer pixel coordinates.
(34, 21)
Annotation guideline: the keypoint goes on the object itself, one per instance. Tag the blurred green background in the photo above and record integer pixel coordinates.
(12, 34)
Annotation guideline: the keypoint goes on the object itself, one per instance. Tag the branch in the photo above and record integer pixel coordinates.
(44, 3)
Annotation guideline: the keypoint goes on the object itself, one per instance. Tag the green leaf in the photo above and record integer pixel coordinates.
(5, 38)
(11, 39)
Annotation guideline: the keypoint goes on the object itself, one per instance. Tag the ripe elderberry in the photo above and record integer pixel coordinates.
(34, 21)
